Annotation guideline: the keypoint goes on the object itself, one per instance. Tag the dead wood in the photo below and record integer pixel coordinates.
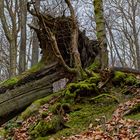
(28, 90)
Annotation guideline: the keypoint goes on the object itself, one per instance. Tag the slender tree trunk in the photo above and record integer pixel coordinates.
(35, 50)
(13, 58)
(101, 33)
(11, 35)
(22, 54)
(136, 42)
(35, 43)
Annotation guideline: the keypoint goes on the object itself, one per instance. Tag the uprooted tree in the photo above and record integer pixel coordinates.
(66, 51)
(59, 40)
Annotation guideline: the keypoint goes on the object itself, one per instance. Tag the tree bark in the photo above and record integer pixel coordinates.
(13, 57)
(22, 51)
(35, 43)
(11, 35)
(101, 33)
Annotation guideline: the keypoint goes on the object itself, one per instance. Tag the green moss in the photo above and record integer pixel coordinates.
(36, 67)
(44, 128)
(95, 79)
(105, 96)
(119, 77)
(33, 108)
(9, 82)
(80, 115)
(81, 89)
(133, 116)
(134, 113)
(55, 108)
(44, 114)
(94, 66)
(66, 107)
(130, 79)
(14, 80)
(79, 120)
(2, 133)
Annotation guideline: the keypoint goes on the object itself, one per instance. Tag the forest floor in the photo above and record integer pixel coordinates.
(102, 107)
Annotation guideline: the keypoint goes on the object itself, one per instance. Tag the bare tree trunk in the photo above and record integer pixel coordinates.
(13, 58)
(35, 50)
(22, 53)
(11, 36)
(35, 43)
(135, 33)
(114, 43)
(101, 33)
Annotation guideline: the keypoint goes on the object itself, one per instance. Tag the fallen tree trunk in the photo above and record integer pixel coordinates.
(13, 101)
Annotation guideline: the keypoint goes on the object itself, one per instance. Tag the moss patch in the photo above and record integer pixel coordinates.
(105, 96)
(33, 108)
(82, 117)
(44, 128)
(81, 89)
(119, 77)
(2, 133)
(95, 66)
(131, 80)
(134, 113)
(133, 116)
(14, 80)
(10, 82)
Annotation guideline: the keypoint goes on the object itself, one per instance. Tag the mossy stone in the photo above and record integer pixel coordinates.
(44, 128)
(119, 77)
(66, 107)
(82, 89)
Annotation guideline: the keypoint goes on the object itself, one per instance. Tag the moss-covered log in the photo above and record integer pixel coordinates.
(38, 86)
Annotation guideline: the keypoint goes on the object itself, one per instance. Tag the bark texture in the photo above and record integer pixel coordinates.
(22, 52)
(101, 33)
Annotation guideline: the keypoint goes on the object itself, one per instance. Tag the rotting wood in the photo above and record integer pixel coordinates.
(18, 98)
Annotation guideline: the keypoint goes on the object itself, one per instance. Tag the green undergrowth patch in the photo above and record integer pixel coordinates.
(86, 88)
(134, 113)
(94, 66)
(133, 116)
(105, 96)
(121, 78)
(83, 115)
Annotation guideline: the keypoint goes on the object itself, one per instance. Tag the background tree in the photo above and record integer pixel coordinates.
(101, 33)
(23, 21)
(122, 18)
(35, 43)
(10, 29)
